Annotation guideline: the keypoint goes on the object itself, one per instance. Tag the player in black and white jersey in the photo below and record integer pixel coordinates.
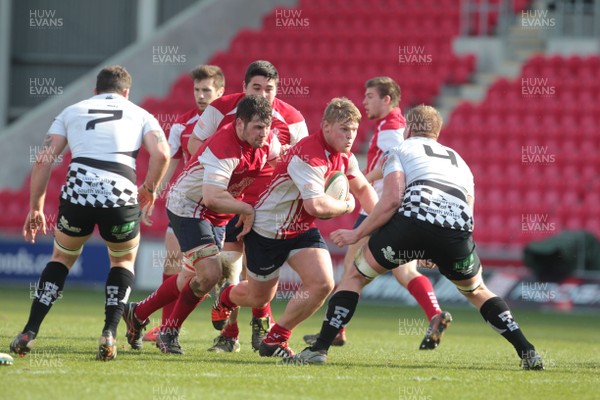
(104, 134)
(425, 212)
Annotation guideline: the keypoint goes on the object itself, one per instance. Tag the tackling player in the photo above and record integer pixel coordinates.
(426, 208)
(382, 97)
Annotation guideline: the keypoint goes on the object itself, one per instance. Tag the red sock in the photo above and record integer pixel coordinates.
(342, 331)
(422, 290)
(186, 302)
(231, 331)
(225, 297)
(278, 334)
(165, 294)
(167, 309)
(262, 312)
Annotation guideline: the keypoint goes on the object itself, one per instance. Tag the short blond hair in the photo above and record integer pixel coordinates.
(424, 121)
(341, 109)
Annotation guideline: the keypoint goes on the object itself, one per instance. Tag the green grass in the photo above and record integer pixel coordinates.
(381, 361)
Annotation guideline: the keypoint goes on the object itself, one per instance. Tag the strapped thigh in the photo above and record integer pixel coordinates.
(194, 256)
(63, 249)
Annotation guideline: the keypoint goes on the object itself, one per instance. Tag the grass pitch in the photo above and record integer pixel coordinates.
(381, 360)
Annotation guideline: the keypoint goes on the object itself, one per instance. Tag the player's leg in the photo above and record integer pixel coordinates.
(172, 266)
(200, 243)
(68, 245)
(379, 255)
(341, 338)
(222, 318)
(120, 229)
(341, 306)
(455, 255)
(265, 256)
(313, 265)
(498, 315)
(419, 286)
(231, 263)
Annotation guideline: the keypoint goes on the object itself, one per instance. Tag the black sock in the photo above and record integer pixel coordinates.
(118, 288)
(340, 310)
(496, 313)
(48, 289)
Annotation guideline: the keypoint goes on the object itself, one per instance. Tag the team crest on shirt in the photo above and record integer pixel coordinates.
(389, 254)
(275, 132)
(236, 189)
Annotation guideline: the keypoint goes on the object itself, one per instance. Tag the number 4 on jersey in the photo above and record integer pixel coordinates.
(451, 156)
(115, 114)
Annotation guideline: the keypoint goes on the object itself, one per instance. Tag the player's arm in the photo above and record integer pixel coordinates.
(40, 175)
(374, 175)
(194, 144)
(386, 140)
(164, 183)
(386, 207)
(276, 151)
(176, 155)
(363, 191)
(221, 201)
(310, 182)
(204, 128)
(359, 186)
(215, 196)
(328, 207)
(471, 202)
(155, 143)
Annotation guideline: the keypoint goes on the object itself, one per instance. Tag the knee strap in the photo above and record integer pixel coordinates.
(63, 249)
(121, 253)
(470, 288)
(197, 254)
(363, 267)
(231, 261)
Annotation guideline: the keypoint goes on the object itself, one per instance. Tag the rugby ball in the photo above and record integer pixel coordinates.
(6, 359)
(337, 185)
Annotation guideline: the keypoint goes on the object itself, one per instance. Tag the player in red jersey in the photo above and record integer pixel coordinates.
(284, 228)
(204, 198)
(289, 126)
(382, 97)
(209, 84)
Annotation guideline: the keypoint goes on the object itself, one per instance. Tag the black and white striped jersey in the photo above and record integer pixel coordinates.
(438, 183)
(104, 134)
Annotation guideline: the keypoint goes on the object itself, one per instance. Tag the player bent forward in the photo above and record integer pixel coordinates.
(426, 208)
(284, 227)
(206, 195)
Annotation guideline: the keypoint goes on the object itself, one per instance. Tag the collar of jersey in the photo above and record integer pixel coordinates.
(103, 96)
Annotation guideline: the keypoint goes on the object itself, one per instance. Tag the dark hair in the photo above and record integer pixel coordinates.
(202, 72)
(386, 86)
(254, 106)
(261, 68)
(113, 79)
